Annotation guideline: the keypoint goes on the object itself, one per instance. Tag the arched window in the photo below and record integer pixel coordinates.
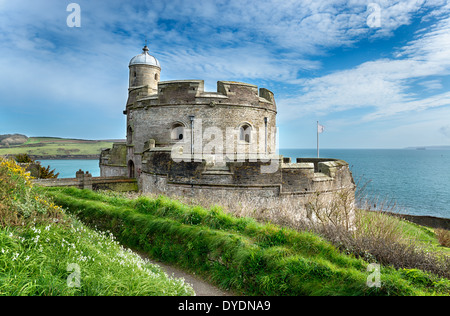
(129, 135)
(131, 171)
(134, 78)
(177, 132)
(245, 131)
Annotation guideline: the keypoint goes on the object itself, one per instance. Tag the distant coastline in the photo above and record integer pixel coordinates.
(58, 157)
(424, 220)
(66, 157)
(53, 148)
(429, 147)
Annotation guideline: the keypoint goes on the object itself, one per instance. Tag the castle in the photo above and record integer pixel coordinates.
(183, 140)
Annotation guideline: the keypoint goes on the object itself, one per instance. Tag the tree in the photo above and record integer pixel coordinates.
(44, 172)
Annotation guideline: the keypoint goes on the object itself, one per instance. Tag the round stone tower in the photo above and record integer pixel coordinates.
(144, 76)
(186, 141)
(145, 70)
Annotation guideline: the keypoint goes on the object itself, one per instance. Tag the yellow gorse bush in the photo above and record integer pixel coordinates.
(20, 202)
(15, 169)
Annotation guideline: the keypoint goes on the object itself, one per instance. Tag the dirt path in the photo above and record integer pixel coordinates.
(200, 287)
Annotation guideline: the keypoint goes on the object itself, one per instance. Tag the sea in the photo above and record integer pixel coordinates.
(408, 181)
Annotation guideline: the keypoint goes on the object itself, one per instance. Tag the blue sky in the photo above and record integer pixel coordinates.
(372, 85)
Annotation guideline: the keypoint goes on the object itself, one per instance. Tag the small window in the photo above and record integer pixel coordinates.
(156, 77)
(245, 133)
(131, 170)
(129, 135)
(177, 131)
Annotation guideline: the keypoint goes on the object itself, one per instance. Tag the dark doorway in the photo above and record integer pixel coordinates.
(131, 171)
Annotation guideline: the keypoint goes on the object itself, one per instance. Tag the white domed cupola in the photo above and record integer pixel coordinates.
(145, 59)
(145, 70)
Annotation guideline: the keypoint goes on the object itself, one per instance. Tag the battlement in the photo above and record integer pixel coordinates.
(309, 173)
(323, 165)
(193, 92)
(293, 177)
(186, 141)
(179, 91)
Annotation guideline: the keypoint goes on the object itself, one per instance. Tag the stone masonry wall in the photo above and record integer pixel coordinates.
(154, 117)
(291, 178)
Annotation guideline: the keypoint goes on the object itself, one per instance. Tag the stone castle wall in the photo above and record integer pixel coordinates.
(153, 117)
(300, 182)
(210, 115)
(183, 140)
(113, 161)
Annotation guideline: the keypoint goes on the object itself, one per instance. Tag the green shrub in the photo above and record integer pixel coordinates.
(236, 253)
(20, 202)
(44, 172)
(443, 237)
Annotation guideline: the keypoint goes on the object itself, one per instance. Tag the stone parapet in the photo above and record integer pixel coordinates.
(93, 183)
(182, 92)
(291, 177)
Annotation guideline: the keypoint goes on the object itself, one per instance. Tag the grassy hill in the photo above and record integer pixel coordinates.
(54, 147)
(45, 251)
(241, 254)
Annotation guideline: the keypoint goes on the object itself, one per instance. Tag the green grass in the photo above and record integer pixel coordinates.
(51, 146)
(425, 236)
(40, 260)
(399, 229)
(43, 250)
(239, 253)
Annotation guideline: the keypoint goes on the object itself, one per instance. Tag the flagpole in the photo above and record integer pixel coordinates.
(317, 139)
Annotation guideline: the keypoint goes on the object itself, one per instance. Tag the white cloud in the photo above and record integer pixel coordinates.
(270, 40)
(432, 84)
(382, 84)
(267, 34)
(251, 62)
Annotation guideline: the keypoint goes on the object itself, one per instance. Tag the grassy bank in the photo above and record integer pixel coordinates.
(240, 253)
(44, 260)
(44, 251)
(375, 236)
